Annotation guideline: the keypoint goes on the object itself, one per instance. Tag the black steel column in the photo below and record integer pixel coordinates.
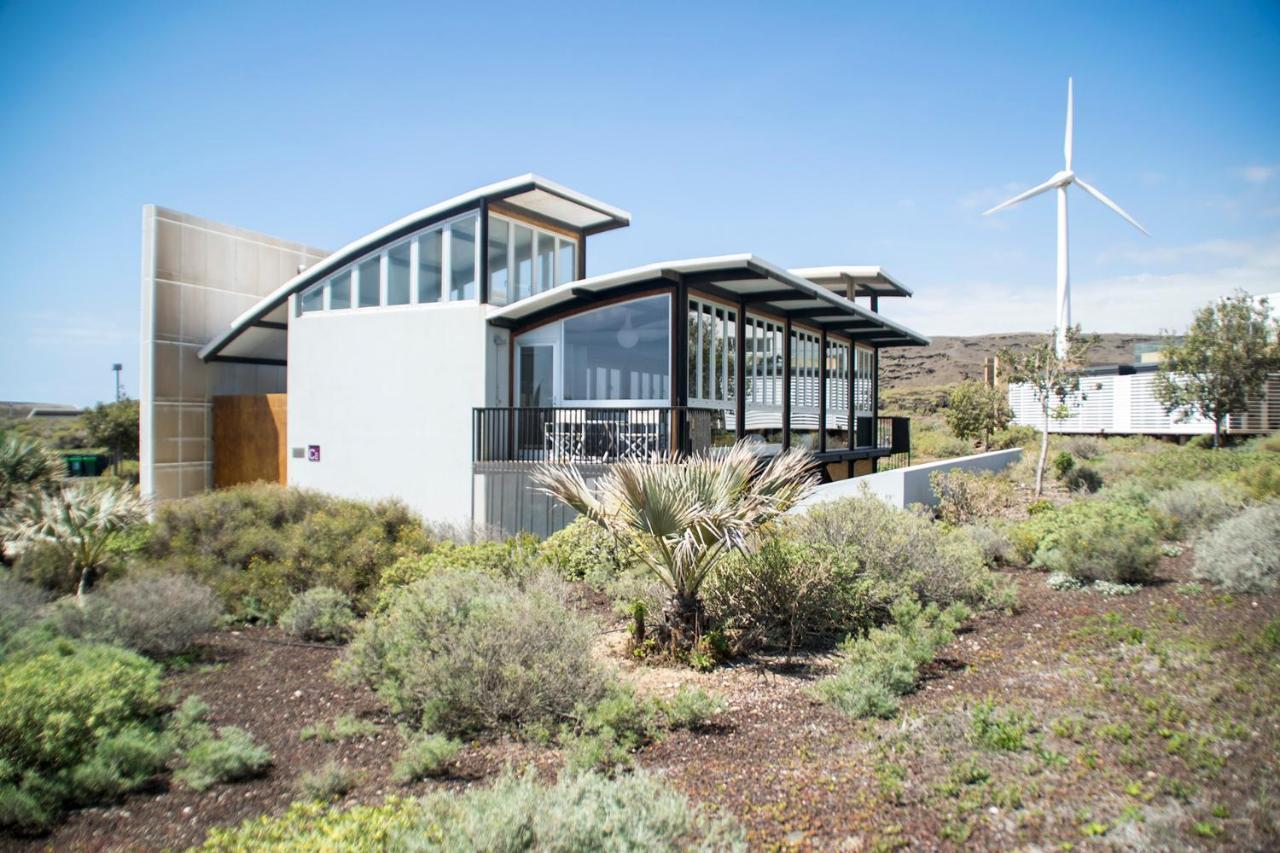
(483, 239)
(786, 384)
(679, 365)
(740, 379)
(822, 391)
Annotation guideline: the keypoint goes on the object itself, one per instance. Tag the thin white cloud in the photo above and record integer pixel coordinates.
(1146, 303)
(60, 329)
(1259, 174)
(989, 197)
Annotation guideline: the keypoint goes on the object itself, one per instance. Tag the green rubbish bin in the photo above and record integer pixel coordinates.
(85, 464)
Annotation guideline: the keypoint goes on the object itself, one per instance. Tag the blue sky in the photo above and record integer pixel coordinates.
(807, 133)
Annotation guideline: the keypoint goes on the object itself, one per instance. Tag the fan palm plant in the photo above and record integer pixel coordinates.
(76, 522)
(25, 466)
(683, 517)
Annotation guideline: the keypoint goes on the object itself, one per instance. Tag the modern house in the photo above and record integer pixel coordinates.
(440, 358)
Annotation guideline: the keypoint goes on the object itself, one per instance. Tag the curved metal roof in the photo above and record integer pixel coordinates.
(260, 332)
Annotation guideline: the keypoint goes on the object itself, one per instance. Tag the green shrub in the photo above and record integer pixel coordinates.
(898, 552)
(785, 595)
(1017, 435)
(691, 707)
(586, 812)
(1083, 447)
(330, 781)
(1193, 506)
(609, 731)
(1242, 554)
(20, 605)
(994, 543)
(883, 665)
(232, 756)
(321, 614)
(343, 727)
(966, 496)
(510, 558)
(1166, 467)
(583, 550)
(1063, 464)
(932, 440)
(467, 652)
(1103, 539)
(1082, 479)
(996, 729)
(315, 825)
(423, 756)
(78, 725)
(158, 615)
(257, 545)
(1260, 481)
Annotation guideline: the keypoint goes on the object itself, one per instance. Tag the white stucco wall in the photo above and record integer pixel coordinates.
(387, 395)
(902, 487)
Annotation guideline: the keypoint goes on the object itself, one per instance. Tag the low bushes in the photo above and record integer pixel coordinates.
(231, 756)
(321, 614)
(585, 551)
(994, 543)
(579, 812)
(883, 665)
(259, 544)
(78, 725)
(511, 558)
(20, 605)
(899, 552)
(467, 652)
(1104, 539)
(1082, 478)
(1260, 481)
(785, 595)
(1193, 506)
(1243, 553)
(424, 755)
(155, 614)
(966, 496)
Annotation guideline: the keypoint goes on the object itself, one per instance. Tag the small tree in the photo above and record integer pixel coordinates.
(1222, 361)
(77, 522)
(1053, 379)
(975, 411)
(682, 517)
(115, 427)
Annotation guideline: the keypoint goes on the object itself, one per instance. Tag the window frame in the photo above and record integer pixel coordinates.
(535, 284)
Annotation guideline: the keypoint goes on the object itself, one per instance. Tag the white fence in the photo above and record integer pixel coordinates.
(902, 487)
(1125, 404)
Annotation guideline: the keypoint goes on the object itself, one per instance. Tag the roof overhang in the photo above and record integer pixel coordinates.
(742, 279)
(536, 196)
(866, 281)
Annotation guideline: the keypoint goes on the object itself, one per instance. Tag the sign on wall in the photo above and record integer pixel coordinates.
(313, 453)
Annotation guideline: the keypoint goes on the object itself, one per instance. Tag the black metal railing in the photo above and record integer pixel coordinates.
(608, 434)
(595, 434)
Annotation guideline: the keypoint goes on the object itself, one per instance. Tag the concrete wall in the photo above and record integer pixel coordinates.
(198, 276)
(905, 486)
(386, 395)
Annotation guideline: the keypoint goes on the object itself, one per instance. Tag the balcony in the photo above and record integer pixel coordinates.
(600, 435)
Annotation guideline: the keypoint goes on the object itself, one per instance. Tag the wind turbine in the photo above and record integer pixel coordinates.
(1060, 182)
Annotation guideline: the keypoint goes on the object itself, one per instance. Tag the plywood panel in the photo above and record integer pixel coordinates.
(249, 439)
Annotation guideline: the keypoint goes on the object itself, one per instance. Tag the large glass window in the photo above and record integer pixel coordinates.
(545, 261)
(370, 290)
(430, 266)
(522, 260)
(499, 246)
(313, 300)
(619, 352)
(340, 291)
(398, 273)
(566, 262)
(462, 260)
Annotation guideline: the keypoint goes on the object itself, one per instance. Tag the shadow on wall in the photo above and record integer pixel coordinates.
(905, 486)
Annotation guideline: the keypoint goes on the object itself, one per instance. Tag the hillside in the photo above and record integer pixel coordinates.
(952, 359)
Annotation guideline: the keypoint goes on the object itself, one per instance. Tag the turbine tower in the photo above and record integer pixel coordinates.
(1060, 182)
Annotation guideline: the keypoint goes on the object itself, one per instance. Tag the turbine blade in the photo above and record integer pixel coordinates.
(1096, 193)
(1036, 190)
(1066, 144)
